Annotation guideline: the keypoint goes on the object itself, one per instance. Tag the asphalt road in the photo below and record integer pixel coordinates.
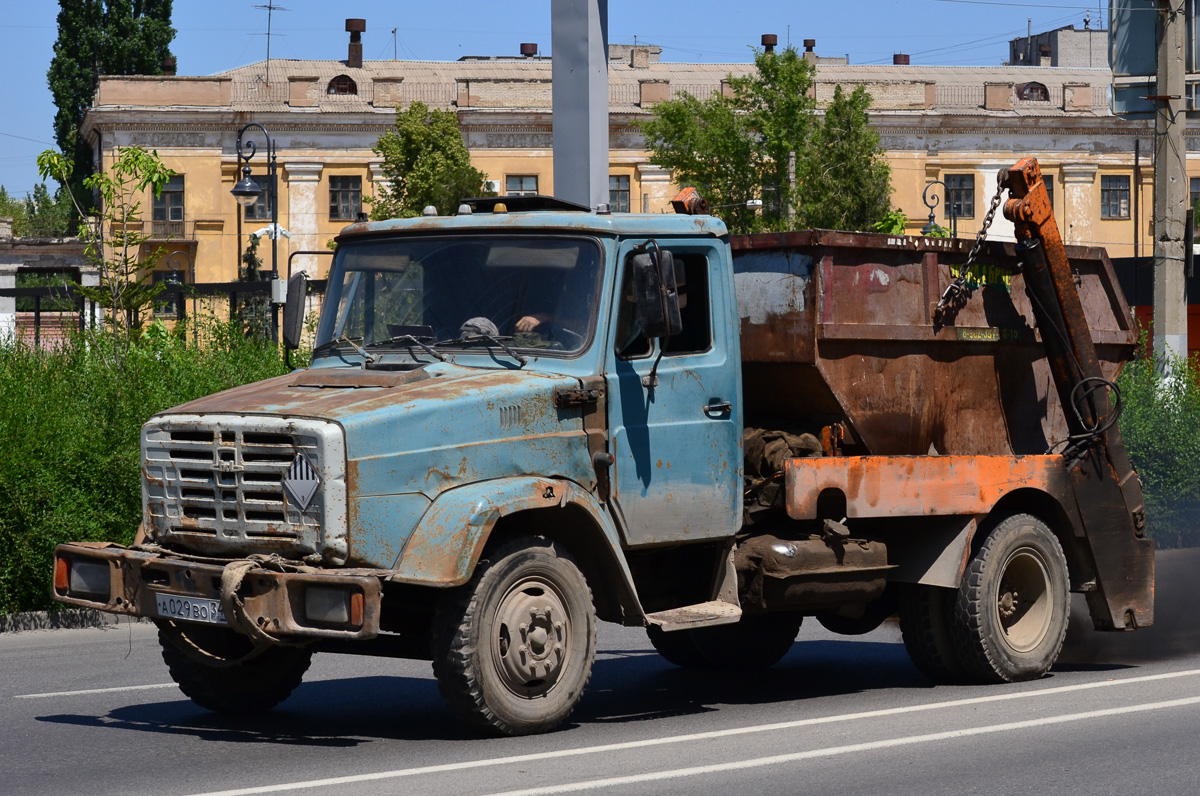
(93, 711)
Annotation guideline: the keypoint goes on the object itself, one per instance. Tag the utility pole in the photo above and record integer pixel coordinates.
(1170, 184)
(579, 70)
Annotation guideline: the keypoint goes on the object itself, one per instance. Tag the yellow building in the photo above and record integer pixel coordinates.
(958, 125)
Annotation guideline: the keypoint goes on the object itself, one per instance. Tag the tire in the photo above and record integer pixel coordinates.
(513, 648)
(755, 643)
(677, 647)
(874, 615)
(925, 619)
(1011, 610)
(254, 686)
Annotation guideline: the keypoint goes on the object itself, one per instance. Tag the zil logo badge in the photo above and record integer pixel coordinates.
(302, 481)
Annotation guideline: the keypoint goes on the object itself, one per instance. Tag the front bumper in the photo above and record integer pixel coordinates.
(276, 601)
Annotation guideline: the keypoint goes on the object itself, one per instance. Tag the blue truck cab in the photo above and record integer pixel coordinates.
(484, 435)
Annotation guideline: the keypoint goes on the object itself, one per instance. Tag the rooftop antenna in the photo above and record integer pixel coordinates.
(270, 8)
(394, 56)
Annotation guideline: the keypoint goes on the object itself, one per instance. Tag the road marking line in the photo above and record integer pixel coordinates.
(699, 736)
(842, 750)
(94, 691)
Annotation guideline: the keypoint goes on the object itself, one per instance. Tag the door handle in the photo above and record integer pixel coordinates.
(718, 409)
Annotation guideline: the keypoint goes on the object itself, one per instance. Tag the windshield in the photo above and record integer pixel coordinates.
(533, 293)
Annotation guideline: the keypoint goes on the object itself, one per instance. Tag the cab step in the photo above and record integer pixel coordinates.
(714, 612)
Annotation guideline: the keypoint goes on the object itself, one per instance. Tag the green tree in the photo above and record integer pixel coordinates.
(49, 216)
(426, 163)
(253, 312)
(767, 141)
(14, 208)
(114, 241)
(100, 37)
(846, 182)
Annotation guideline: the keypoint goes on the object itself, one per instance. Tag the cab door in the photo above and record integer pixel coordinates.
(677, 446)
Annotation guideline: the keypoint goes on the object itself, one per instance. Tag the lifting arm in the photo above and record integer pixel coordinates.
(1107, 490)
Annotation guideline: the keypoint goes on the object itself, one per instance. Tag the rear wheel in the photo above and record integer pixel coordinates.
(1011, 611)
(677, 647)
(513, 648)
(754, 643)
(207, 665)
(925, 613)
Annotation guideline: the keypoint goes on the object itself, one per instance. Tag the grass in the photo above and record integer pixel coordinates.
(69, 437)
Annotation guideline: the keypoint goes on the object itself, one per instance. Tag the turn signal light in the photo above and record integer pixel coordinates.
(62, 574)
(333, 606)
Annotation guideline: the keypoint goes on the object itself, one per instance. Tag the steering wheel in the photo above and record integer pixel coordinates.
(570, 340)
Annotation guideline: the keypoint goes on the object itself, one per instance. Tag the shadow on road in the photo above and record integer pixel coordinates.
(631, 685)
(627, 685)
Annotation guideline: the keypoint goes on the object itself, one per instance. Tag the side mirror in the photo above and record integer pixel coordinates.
(657, 297)
(293, 310)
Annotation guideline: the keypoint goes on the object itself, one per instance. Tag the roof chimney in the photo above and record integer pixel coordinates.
(769, 42)
(356, 27)
(528, 49)
(168, 66)
(900, 59)
(810, 54)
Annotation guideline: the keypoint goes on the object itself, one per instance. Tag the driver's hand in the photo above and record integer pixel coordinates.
(530, 322)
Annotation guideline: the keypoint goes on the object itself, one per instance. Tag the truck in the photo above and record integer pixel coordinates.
(530, 416)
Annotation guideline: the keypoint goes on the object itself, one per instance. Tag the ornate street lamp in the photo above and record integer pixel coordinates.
(932, 202)
(247, 192)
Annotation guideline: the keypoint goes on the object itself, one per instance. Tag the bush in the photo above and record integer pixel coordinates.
(70, 420)
(1161, 427)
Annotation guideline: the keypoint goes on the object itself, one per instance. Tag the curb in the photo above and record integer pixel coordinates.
(67, 619)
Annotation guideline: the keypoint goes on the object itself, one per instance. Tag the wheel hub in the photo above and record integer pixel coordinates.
(1024, 599)
(532, 638)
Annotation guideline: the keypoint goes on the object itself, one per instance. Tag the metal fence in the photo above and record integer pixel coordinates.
(52, 320)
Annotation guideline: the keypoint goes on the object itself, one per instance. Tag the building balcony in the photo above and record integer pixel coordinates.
(172, 230)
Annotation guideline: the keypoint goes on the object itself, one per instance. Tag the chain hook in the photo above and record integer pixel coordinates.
(958, 293)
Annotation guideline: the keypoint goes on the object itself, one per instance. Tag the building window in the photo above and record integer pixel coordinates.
(345, 198)
(618, 193)
(1048, 181)
(521, 185)
(261, 209)
(342, 85)
(1195, 194)
(960, 195)
(1114, 197)
(1034, 92)
(167, 212)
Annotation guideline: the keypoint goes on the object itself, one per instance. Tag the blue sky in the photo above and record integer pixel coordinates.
(216, 35)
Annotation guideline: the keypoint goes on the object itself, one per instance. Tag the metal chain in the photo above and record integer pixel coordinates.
(958, 292)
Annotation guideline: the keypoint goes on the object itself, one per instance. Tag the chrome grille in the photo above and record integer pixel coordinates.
(215, 484)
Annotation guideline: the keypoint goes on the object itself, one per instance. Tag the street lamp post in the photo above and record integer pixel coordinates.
(932, 202)
(247, 192)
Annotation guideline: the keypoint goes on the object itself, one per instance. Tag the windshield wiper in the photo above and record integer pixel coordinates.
(336, 343)
(423, 342)
(368, 358)
(486, 338)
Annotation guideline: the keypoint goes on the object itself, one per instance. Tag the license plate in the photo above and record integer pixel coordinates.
(190, 609)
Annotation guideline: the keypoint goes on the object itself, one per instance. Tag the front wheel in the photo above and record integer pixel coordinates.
(214, 668)
(1011, 610)
(513, 648)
